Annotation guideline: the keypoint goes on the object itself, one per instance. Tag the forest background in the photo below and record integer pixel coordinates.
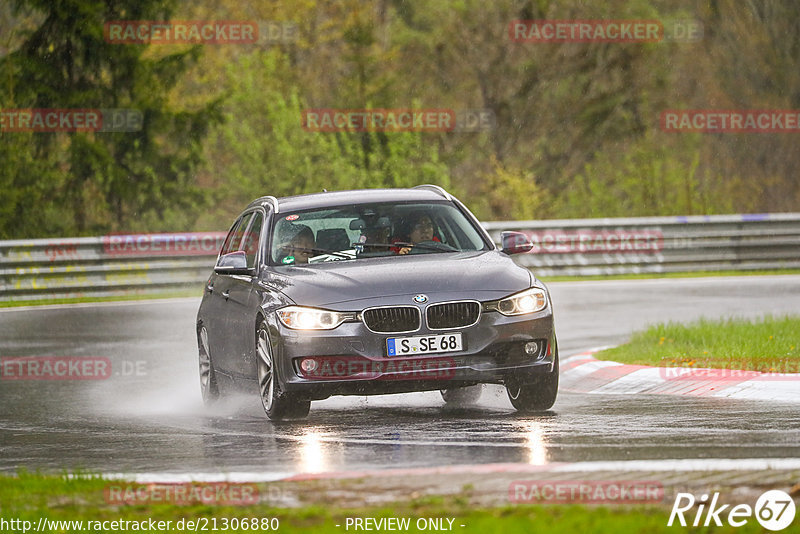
(577, 132)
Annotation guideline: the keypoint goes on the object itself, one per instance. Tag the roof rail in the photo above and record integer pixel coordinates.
(272, 200)
(435, 189)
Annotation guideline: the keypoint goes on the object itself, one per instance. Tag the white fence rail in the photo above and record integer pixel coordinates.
(158, 263)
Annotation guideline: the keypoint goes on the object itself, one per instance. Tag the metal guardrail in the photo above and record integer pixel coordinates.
(106, 266)
(157, 263)
(659, 244)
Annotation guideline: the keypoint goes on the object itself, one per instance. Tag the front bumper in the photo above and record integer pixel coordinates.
(352, 360)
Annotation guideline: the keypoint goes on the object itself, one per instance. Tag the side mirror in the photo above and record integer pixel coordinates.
(515, 243)
(233, 263)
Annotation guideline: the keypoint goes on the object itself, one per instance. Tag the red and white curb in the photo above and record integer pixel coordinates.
(585, 374)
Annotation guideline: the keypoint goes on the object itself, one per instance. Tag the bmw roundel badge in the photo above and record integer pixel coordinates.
(420, 299)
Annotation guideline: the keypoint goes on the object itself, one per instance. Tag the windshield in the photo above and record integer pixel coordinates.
(359, 231)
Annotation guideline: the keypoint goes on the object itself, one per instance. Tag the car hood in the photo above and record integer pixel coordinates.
(478, 275)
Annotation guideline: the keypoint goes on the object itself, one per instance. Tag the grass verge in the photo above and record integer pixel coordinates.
(30, 497)
(770, 344)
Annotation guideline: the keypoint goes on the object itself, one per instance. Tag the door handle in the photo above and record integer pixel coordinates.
(226, 294)
(210, 288)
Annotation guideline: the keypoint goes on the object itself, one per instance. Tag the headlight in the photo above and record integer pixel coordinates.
(300, 318)
(529, 301)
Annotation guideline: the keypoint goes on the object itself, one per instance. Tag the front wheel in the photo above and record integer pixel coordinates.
(277, 405)
(538, 394)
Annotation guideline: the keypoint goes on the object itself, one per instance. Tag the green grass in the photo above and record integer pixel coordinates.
(648, 276)
(116, 298)
(768, 344)
(29, 497)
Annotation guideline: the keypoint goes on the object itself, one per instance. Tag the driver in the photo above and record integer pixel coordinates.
(415, 228)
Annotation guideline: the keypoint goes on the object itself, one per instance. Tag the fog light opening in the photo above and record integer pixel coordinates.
(531, 348)
(308, 365)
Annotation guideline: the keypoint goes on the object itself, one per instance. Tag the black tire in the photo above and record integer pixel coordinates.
(463, 396)
(209, 387)
(277, 405)
(538, 394)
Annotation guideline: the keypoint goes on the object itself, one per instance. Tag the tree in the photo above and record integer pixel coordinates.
(263, 149)
(100, 181)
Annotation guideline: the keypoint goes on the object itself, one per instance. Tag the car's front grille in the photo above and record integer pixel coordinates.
(392, 319)
(453, 314)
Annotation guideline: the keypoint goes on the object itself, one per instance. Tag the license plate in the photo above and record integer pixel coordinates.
(410, 346)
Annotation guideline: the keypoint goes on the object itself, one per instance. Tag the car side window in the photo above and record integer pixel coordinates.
(252, 239)
(235, 238)
(231, 243)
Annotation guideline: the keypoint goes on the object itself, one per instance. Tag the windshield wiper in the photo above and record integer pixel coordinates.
(385, 245)
(432, 245)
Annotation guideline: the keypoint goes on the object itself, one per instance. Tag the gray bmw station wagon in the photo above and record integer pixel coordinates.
(373, 292)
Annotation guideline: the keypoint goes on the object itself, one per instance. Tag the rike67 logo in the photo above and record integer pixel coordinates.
(774, 510)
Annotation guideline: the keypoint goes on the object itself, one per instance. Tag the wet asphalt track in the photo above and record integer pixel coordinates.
(148, 417)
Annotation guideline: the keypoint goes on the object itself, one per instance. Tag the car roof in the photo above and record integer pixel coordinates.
(355, 196)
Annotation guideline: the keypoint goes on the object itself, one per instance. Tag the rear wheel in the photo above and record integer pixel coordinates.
(277, 404)
(538, 394)
(208, 376)
(462, 396)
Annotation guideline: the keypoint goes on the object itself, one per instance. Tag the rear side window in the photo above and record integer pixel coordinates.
(231, 243)
(239, 238)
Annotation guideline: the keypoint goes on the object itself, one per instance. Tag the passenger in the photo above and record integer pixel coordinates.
(416, 227)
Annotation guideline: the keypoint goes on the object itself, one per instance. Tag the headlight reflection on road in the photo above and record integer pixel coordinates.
(536, 443)
(313, 453)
